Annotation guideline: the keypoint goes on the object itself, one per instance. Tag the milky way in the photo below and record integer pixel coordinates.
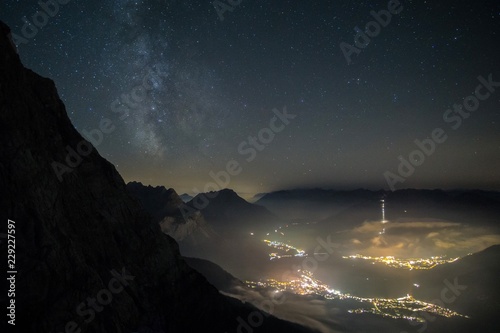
(184, 88)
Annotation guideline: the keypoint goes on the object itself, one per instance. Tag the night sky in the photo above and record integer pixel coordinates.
(196, 87)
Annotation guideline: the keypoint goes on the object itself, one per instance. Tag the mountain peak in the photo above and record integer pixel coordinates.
(223, 195)
(158, 199)
(229, 193)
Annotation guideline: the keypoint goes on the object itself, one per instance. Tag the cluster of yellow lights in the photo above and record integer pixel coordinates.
(413, 263)
(404, 308)
(399, 308)
(289, 251)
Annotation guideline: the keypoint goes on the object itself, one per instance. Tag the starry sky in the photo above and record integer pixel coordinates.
(185, 86)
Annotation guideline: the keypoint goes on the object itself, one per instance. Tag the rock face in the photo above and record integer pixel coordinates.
(215, 274)
(158, 201)
(205, 216)
(218, 226)
(78, 231)
(165, 205)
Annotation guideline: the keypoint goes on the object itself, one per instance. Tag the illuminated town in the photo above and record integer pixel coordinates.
(286, 251)
(405, 307)
(412, 263)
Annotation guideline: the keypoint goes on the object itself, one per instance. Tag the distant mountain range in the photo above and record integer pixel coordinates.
(347, 207)
(224, 211)
(219, 226)
(186, 197)
(166, 208)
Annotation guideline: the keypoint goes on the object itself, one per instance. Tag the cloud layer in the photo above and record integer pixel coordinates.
(418, 238)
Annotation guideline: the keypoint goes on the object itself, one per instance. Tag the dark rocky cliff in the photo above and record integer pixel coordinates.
(165, 207)
(158, 201)
(71, 234)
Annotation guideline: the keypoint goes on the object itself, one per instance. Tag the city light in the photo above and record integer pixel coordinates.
(405, 307)
(412, 263)
(286, 250)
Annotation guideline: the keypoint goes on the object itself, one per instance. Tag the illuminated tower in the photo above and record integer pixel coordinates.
(382, 202)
